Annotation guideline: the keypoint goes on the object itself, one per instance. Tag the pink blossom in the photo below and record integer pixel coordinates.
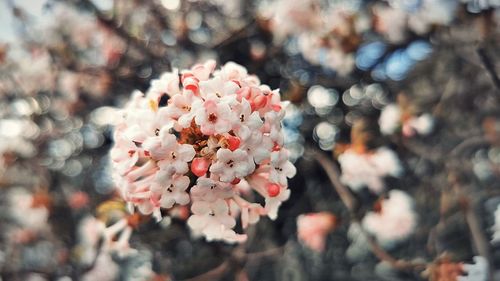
(210, 190)
(247, 121)
(312, 229)
(232, 164)
(259, 146)
(395, 221)
(321, 32)
(215, 129)
(173, 191)
(368, 169)
(203, 71)
(281, 167)
(274, 202)
(259, 181)
(180, 108)
(24, 210)
(212, 219)
(391, 120)
(168, 84)
(172, 154)
(214, 118)
(90, 231)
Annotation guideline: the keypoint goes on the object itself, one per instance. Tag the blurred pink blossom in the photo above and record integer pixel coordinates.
(313, 228)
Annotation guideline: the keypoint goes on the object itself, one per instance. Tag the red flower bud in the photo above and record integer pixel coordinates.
(199, 166)
(233, 143)
(273, 189)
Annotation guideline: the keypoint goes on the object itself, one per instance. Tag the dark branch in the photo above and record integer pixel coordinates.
(490, 67)
(350, 203)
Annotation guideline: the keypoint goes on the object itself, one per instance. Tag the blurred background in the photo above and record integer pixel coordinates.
(417, 77)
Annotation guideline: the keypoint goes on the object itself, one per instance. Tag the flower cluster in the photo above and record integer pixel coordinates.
(205, 138)
(393, 219)
(313, 228)
(99, 246)
(30, 211)
(326, 36)
(360, 169)
(392, 118)
(396, 20)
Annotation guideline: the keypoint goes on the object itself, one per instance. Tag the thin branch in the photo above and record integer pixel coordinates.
(490, 67)
(237, 257)
(481, 243)
(234, 36)
(449, 90)
(473, 141)
(350, 203)
(333, 174)
(213, 274)
(264, 254)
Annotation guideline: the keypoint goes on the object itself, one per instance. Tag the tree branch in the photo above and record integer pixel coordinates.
(490, 67)
(350, 203)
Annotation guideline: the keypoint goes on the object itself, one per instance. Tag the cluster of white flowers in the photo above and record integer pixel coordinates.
(16, 136)
(97, 245)
(400, 16)
(392, 119)
(394, 220)
(65, 23)
(369, 168)
(205, 142)
(326, 36)
(26, 211)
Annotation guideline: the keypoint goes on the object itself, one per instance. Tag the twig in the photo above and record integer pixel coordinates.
(479, 140)
(481, 244)
(490, 67)
(333, 174)
(237, 257)
(213, 274)
(233, 36)
(480, 241)
(350, 203)
(264, 254)
(449, 90)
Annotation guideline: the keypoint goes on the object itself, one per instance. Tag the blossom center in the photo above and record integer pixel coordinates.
(212, 117)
